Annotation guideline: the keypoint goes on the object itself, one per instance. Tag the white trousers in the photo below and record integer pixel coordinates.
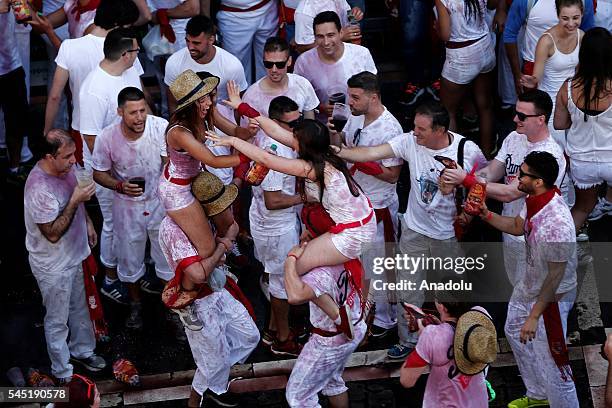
(228, 337)
(138, 221)
(105, 200)
(245, 34)
(540, 374)
(319, 368)
(63, 295)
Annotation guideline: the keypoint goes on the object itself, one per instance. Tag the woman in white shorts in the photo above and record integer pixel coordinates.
(470, 58)
(556, 56)
(584, 106)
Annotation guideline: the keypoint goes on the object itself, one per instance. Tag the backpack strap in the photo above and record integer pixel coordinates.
(460, 191)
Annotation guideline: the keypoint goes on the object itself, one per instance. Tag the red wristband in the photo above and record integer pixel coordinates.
(469, 180)
(119, 187)
(489, 216)
(244, 109)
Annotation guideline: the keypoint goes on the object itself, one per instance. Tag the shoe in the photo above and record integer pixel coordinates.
(116, 291)
(37, 379)
(412, 93)
(399, 352)
(92, 363)
(264, 285)
(227, 399)
(150, 283)
(288, 347)
(189, 317)
(346, 323)
(526, 402)
(378, 332)
(19, 177)
(268, 337)
(434, 90)
(63, 382)
(134, 320)
(603, 207)
(471, 124)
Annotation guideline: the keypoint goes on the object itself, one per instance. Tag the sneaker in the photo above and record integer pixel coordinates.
(288, 347)
(116, 291)
(526, 402)
(134, 320)
(150, 283)
(434, 90)
(189, 317)
(92, 363)
(268, 337)
(37, 379)
(412, 93)
(227, 399)
(399, 352)
(346, 323)
(264, 285)
(378, 332)
(603, 207)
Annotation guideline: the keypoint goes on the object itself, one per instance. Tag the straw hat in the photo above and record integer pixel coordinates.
(188, 88)
(475, 342)
(209, 190)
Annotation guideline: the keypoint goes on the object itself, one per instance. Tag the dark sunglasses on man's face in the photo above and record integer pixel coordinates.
(523, 174)
(279, 64)
(522, 116)
(294, 123)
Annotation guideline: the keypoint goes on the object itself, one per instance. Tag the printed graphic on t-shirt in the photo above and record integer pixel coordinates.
(512, 168)
(428, 185)
(345, 289)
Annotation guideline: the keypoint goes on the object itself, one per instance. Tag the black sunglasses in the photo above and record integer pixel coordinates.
(522, 116)
(523, 174)
(294, 123)
(279, 64)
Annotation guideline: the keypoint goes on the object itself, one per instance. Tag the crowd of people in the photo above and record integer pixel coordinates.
(280, 100)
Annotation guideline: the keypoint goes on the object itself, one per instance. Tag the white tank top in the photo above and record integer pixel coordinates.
(591, 140)
(543, 15)
(558, 68)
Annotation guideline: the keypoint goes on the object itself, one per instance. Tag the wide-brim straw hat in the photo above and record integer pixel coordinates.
(188, 88)
(475, 344)
(210, 191)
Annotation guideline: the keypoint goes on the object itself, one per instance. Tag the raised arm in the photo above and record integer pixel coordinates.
(180, 138)
(366, 154)
(55, 230)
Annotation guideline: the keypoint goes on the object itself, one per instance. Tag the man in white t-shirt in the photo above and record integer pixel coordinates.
(533, 110)
(59, 234)
(98, 100)
(274, 228)
(371, 124)
(77, 57)
(134, 148)
(332, 62)
(427, 225)
(245, 25)
(308, 9)
(536, 325)
(278, 82)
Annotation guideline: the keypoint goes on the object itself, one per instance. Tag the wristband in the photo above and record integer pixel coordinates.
(244, 109)
(292, 256)
(488, 216)
(119, 187)
(469, 180)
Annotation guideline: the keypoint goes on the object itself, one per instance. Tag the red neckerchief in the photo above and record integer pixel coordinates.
(78, 9)
(536, 203)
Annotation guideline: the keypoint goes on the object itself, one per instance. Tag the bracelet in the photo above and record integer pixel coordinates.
(119, 187)
(489, 216)
(292, 256)
(469, 180)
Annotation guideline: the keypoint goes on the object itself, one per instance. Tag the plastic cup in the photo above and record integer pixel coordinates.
(84, 176)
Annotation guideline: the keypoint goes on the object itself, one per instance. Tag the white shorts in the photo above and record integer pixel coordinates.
(587, 174)
(350, 242)
(462, 65)
(135, 222)
(277, 286)
(272, 251)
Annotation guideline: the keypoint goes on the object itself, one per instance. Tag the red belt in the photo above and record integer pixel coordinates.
(338, 228)
(175, 180)
(327, 333)
(384, 215)
(238, 10)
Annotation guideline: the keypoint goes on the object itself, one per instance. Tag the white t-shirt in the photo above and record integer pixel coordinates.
(98, 98)
(273, 222)
(551, 237)
(179, 25)
(139, 158)
(429, 212)
(308, 10)
(542, 16)
(382, 130)
(76, 28)
(9, 52)
(45, 197)
(323, 76)
(79, 57)
(240, 4)
(298, 89)
(512, 154)
(462, 27)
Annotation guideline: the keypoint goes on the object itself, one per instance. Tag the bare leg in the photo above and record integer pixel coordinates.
(451, 95)
(194, 399)
(585, 202)
(279, 311)
(223, 221)
(339, 401)
(483, 93)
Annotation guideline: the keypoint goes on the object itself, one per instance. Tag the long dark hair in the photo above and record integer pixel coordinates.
(473, 10)
(190, 118)
(594, 71)
(315, 147)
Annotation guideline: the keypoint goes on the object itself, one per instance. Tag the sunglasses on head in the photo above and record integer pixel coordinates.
(294, 123)
(522, 116)
(279, 64)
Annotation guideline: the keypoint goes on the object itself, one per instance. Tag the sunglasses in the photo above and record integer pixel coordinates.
(523, 174)
(294, 123)
(522, 116)
(279, 64)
